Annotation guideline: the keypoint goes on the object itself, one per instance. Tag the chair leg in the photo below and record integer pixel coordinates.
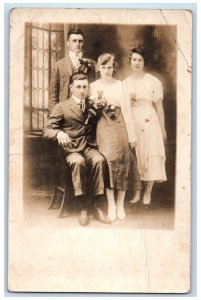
(63, 208)
(53, 202)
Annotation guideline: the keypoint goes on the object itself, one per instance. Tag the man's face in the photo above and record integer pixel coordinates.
(75, 43)
(79, 88)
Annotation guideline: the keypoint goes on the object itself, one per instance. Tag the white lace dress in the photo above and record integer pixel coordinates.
(143, 93)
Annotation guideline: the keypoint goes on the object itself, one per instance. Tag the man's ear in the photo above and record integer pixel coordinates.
(70, 87)
(67, 43)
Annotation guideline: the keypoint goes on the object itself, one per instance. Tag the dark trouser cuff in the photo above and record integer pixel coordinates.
(99, 201)
(82, 202)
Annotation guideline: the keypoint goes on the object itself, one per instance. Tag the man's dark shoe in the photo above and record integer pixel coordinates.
(83, 218)
(101, 216)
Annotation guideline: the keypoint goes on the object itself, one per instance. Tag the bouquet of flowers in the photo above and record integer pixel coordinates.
(85, 65)
(95, 106)
(98, 105)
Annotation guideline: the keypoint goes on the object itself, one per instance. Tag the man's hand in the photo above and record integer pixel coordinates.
(63, 138)
(133, 143)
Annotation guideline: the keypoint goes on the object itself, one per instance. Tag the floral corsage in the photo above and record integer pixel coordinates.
(85, 65)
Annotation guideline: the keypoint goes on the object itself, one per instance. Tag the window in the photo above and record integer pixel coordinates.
(44, 45)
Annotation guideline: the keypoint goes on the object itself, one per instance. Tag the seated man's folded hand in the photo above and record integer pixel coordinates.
(63, 139)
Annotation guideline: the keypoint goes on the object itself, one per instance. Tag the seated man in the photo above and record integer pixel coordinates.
(67, 123)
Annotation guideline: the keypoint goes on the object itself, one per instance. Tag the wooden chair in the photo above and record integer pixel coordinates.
(62, 190)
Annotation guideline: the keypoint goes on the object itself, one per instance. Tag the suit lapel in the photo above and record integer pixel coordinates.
(74, 107)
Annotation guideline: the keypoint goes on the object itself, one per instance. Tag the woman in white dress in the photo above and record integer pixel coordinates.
(146, 95)
(115, 137)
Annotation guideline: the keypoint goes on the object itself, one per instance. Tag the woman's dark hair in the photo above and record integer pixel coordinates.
(74, 31)
(139, 49)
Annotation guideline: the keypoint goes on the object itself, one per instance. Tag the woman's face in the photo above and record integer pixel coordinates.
(106, 70)
(137, 62)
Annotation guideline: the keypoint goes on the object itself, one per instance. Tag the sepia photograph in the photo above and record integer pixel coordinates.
(99, 150)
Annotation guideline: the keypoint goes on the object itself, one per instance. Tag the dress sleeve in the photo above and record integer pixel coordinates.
(126, 111)
(92, 91)
(157, 90)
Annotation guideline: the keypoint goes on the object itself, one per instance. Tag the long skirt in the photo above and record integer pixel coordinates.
(150, 149)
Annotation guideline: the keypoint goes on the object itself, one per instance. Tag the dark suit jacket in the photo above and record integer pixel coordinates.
(67, 116)
(60, 77)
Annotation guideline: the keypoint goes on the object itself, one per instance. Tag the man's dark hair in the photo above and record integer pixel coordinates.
(74, 31)
(78, 76)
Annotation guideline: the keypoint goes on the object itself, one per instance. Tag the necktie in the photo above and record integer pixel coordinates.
(82, 105)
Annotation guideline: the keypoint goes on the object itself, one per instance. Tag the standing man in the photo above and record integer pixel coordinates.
(64, 68)
(67, 124)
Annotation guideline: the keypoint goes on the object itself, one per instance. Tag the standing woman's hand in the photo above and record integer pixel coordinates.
(164, 135)
(133, 143)
(161, 117)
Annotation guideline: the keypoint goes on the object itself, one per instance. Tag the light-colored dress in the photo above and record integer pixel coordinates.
(143, 93)
(113, 136)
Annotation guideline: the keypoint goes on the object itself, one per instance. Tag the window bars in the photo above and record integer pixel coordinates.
(44, 45)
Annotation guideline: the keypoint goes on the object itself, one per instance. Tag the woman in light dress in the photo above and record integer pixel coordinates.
(146, 95)
(115, 137)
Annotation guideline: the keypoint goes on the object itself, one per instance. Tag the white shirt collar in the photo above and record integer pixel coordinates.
(77, 100)
(74, 55)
